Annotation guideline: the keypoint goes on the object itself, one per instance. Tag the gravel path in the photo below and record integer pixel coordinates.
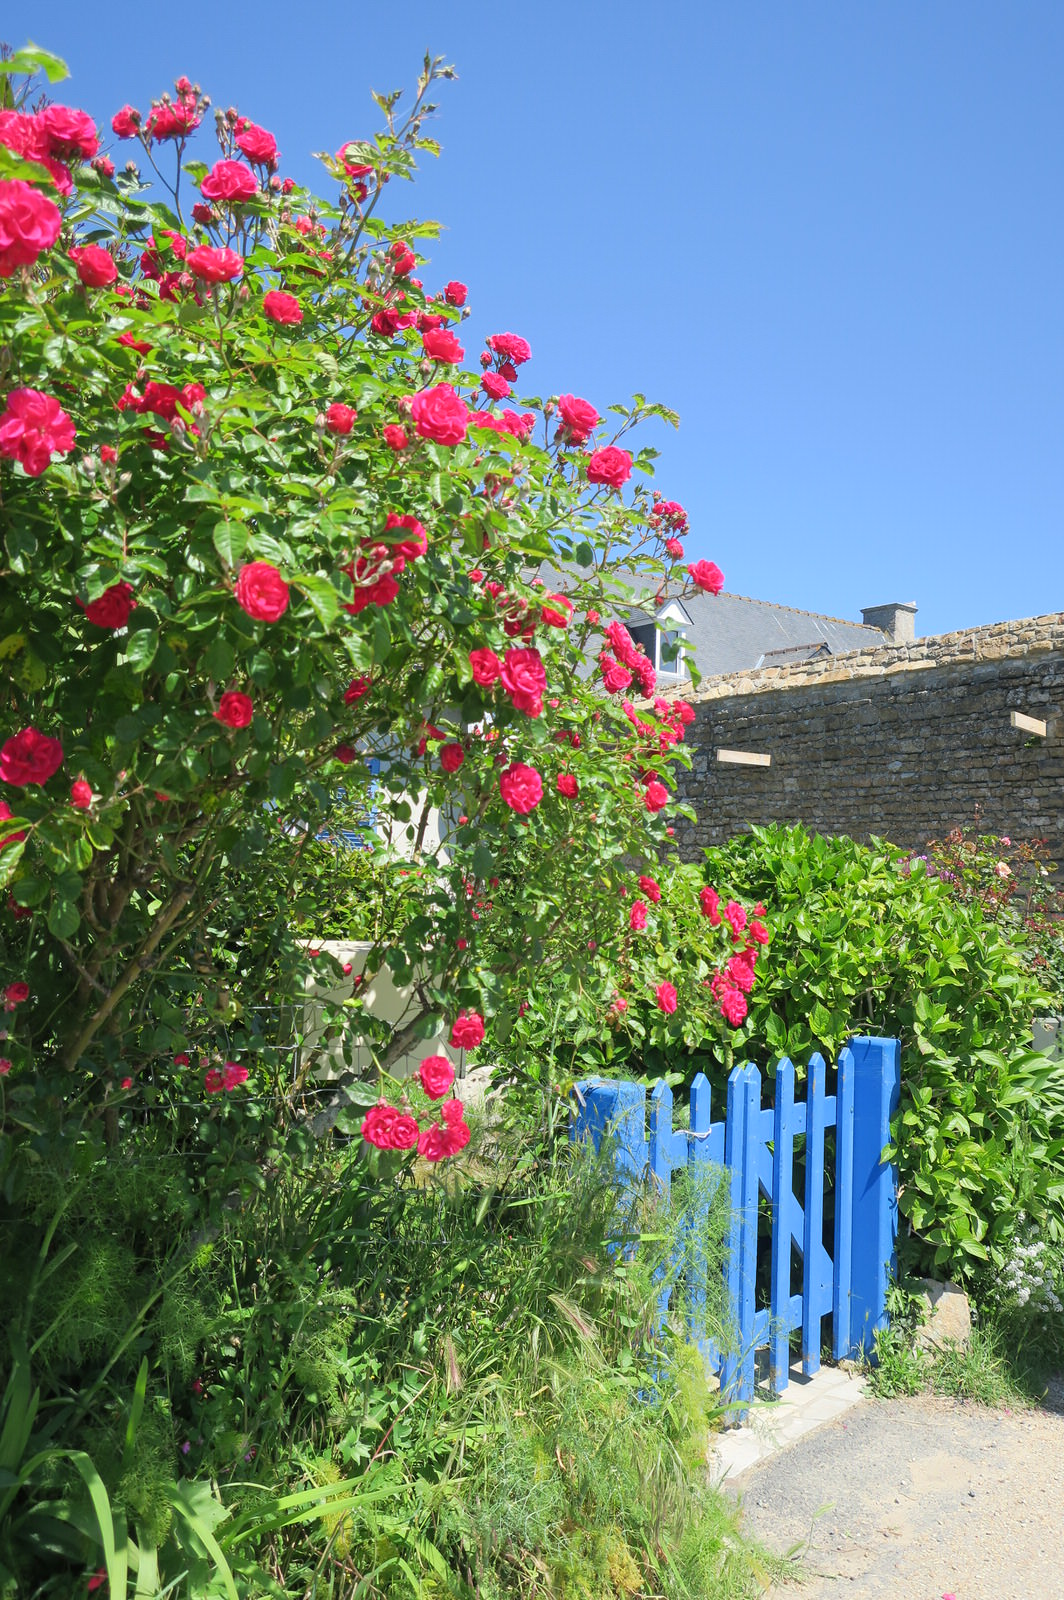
(917, 1499)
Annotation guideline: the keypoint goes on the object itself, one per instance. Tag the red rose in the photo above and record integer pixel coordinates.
(512, 346)
(345, 754)
(282, 307)
(258, 145)
(440, 414)
(521, 787)
(356, 689)
(733, 1007)
(131, 342)
(388, 321)
(706, 575)
(557, 612)
(403, 258)
(437, 1075)
(674, 548)
(14, 995)
(81, 794)
(637, 916)
(340, 418)
(615, 677)
(709, 900)
(229, 180)
(33, 428)
(609, 465)
(13, 838)
(567, 785)
(486, 667)
(126, 123)
(451, 757)
(261, 591)
(651, 889)
(112, 608)
(655, 795)
(759, 933)
(96, 266)
(467, 1030)
(440, 1141)
(235, 710)
(395, 437)
(455, 293)
(494, 385)
(215, 266)
(29, 757)
(410, 548)
(69, 133)
(665, 995)
(440, 344)
(578, 417)
(104, 166)
(174, 120)
(524, 678)
(204, 214)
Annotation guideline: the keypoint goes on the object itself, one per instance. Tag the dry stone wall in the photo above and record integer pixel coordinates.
(902, 741)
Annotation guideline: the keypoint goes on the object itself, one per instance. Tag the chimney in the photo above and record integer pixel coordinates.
(895, 620)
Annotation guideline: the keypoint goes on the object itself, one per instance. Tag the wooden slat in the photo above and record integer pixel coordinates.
(1027, 724)
(814, 1215)
(744, 758)
(750, 1207)
(782, 1204)
(840, 1320)
(734, 1139)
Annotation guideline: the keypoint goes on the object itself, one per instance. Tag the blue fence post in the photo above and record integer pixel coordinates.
(876, 1088)
(701, 1124)
(616, 1111)
(782, 1217)
(813, 1242)
(734, 1148)
(843, 1274)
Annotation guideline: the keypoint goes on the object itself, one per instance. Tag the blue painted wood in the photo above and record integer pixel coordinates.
(749, 1202)
(877, 1082)
(699, 1138)
(840, 1310)
(782, 1204)
(734, 1146)
(814, 1214)
(615, 1110)
(660, 1133)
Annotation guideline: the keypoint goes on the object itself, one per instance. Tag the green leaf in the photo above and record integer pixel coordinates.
(230, 540)
(323, 598)
(30, 891)
(141, 647)
(64, 919)
(31, 58)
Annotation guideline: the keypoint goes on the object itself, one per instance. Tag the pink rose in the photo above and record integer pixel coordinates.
(112, 608)
(440, 414)
(261, 591)
(357, 688)
(213, 265)
(440, 344)
(557, 611)
(235, 710)
(733, 1007)
(455, 293)
(655, 795)
(451, 757)
(15, 994)
(70, 134)
(467, 1030)
(340, 418)
(175, 120)
(651, 889)
(395, 437)
(282, 307)
(706, 575)
(512, 346)
(126, 123)
(524, 678)
(609, 465)
(674, 548)
(95, 265)
(437, 1075)
(403, 258)
(567, 785)
(417, 543)
(521, 787)
(229, 180)
(29, 757)
(637, 916)
(33, 428)
(709, 901)
(578, 418)
(486, 667)
(495, 385)
(258, 145)
(665, 995)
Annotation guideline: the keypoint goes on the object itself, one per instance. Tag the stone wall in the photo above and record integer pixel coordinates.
(902, 741)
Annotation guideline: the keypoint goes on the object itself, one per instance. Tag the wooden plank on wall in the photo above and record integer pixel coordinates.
(1027, 724)
(744, 758)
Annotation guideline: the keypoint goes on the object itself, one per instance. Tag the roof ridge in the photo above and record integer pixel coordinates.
(798, 611)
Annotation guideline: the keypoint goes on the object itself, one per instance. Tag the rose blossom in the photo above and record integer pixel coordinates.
(609, 465)
(486, 667)
(706, 575)
(437, 1075)
(455, 293)
(578, 417)
(512, 346)
(395, 437)
(567, 785)
(440, 414)
(665, 995)
(33, 428)
(261, 591)
(29, 757)
(651, 889)
(112, 608)
(213, 265)
(440, 344)
(81, 794)
(14, 995)
(557, 612)
(524, 678)
(417, 543)
(655, 795)
(451, 757)
(29, 225)
(709, 901)
(403, 258)
(69, 133)
(235, 710)
(258, 145)
(282, 307)
(442, 1140)
(674, 548)
(637, 916)
(229, 180)
(758, 932)
(95, 266)
(6, 814)
(521, 787)
(467, 1030)
(339, 418)
(357, 688)
(126, 123)
(735, 917)
(495, 386)
(733, 1007)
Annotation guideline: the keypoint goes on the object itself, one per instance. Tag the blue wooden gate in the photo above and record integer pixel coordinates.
(756, 1146)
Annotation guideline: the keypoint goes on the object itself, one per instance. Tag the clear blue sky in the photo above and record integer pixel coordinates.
(829, 233)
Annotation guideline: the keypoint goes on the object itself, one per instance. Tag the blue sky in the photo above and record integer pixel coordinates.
(829, 234)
